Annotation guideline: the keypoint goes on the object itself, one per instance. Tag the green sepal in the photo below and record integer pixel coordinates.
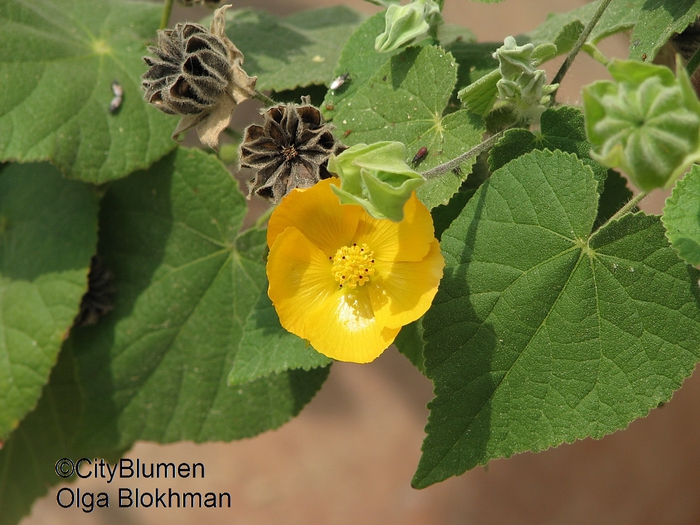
(647, 123)
(404, 24)
(376, 177)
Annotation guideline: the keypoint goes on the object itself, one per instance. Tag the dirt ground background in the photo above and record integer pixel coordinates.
(350, 455)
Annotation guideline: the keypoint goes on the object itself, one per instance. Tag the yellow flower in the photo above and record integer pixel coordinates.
(345, 281)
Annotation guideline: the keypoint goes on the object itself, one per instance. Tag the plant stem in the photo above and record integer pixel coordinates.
(627, 207)
(263, 98)
(260, 222)
(167, 9)
(579, 44)
(596, 54)
(451, 164)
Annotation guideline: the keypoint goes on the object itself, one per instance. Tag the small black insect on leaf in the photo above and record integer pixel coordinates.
(419, 156)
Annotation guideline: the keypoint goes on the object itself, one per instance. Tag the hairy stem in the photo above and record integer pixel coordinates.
(579, 44)
(595, 53)
(263, 98)
(627, 207)
(167, 9)
(452, 164)
(262, 220)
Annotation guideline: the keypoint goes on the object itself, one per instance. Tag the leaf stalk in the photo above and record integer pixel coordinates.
(263, 98)
(626, 208)
(454, 163)
(578, 45)
(264, 217)
(165, 18)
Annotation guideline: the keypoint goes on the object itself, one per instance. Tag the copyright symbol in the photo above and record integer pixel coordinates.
(64, 468)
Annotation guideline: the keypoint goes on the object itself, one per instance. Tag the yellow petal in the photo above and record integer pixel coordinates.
(339, 323)
(317, 213)
(349, 324)
(300, 278)
(345, 327)
(408, 240)
(403, 290)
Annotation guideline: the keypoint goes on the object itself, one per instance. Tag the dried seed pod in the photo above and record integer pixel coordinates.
(290, 150)
(197, 73)
(97, 301)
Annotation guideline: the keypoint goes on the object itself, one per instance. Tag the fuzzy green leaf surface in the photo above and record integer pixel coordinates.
(652, 24)
(44, 436)
(48, 232)
(267, 348)
(156, 367)
(295, 51)
(410, 343)
(563, 29)
(682, 217)
(659, 21)
(560, 129)
(360, 61)
(543, 332)
(615, 195)
(455, 33)
(58, 59)
(404, 101)
(475, 60)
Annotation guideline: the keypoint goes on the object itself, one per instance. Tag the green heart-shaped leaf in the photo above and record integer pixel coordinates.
(543, 332)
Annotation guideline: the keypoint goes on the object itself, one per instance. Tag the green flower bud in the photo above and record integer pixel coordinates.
(647, 123)
(514, 59)
(522, 84)
(376, 177)
(406, 23)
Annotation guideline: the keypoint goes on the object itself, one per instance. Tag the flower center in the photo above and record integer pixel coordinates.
(353, 265)
(289, 152)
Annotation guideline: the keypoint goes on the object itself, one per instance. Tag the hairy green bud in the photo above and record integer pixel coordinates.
(376, 177)
(521, 83)
(647, 122)
(404, 24)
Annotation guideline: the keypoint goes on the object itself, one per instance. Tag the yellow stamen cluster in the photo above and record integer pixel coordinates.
(353, 265)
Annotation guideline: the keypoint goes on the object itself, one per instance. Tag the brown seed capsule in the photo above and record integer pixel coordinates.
(290, 150)
(197, 73)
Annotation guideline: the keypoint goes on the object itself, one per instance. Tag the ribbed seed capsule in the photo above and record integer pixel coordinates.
(197, 73)
(190, 72)
(290, 150)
